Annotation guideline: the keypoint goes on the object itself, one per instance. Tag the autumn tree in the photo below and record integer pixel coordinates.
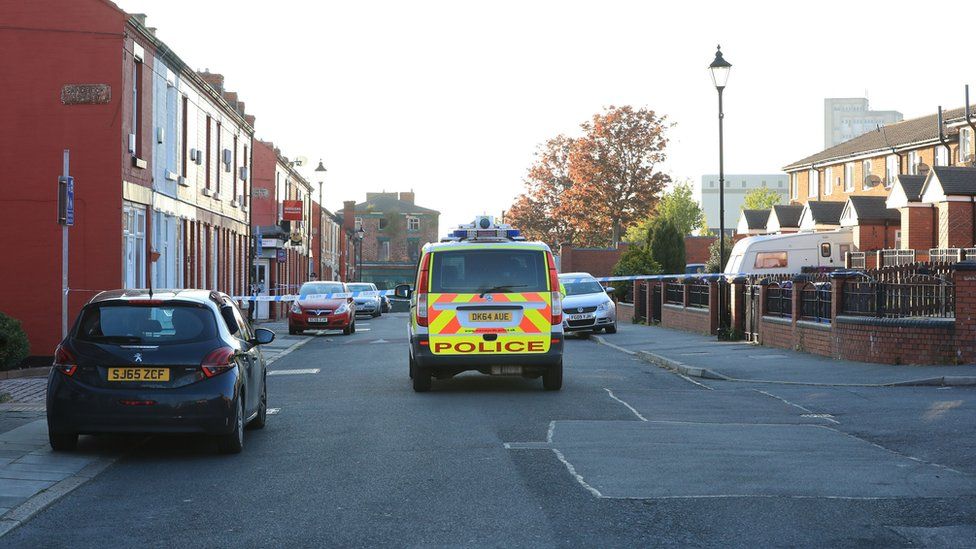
(614, 167)
(760, 199)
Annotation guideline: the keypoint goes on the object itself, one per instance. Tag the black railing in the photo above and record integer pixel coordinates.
(698, 295)
(912, 296)
(779, 300)
(815, 302)
(674, 293)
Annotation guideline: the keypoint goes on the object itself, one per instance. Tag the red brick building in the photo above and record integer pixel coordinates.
(160, 157)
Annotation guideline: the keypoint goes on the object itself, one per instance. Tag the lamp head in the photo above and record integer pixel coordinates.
(720, 69)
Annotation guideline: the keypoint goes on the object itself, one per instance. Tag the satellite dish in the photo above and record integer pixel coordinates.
(923, 168)
(871, 181)
(301, 160)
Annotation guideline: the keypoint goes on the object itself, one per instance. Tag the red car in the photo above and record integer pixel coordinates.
(314, 310)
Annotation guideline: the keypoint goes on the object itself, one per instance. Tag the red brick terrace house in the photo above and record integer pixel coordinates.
(159, 153)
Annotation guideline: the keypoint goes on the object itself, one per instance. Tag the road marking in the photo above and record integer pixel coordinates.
(827, 417)
(379, 341)
(807, 413)
(273, 411)
(629, 407)
(297, 371)
(288, 350)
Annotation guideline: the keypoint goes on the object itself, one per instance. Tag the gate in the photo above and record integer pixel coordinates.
(655, 311)
(640, 301)
(752, 312)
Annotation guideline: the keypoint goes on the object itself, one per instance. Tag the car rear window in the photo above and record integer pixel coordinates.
(321, 288)
(167, 323)
(476, 271)
(361, 287)
(582, 286)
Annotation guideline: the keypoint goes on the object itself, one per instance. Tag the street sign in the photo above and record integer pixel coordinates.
(292, 210)
(281, 256)
(259, 243)
(66, 200)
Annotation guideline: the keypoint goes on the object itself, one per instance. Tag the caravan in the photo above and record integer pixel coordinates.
(790, 253)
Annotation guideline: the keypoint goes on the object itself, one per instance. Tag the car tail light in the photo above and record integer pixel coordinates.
(423, 280)
(555, 293)
(218, 361)
(64, 361)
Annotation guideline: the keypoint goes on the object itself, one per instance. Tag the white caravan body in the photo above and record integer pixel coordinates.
(790, 253)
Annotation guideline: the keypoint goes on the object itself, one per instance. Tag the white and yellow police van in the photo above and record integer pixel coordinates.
(485, 300)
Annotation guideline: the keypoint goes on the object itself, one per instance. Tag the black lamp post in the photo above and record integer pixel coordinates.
(320, 173)
(360, 233)
(719, 70)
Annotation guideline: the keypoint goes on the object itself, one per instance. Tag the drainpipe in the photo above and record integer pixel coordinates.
(942, 138)
(970, 118)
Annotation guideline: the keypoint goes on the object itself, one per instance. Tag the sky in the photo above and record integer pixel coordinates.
(450, 99)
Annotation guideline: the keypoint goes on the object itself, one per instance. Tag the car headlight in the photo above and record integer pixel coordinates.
(344, 308)
(603, 307)
(296, 308)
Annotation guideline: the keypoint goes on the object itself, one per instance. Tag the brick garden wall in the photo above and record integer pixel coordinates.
(689, 319)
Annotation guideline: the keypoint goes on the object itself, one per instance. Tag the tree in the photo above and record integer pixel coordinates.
(667, 246)
(680, 208)
(636, 260)
(760, 199)
(614, 167)
(713, 265)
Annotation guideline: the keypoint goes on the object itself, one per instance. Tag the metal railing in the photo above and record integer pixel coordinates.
(915, 295)
(895, 257)
(945, 255)
(698, 295)
(815, 301)
(674, 293)
(779, 300)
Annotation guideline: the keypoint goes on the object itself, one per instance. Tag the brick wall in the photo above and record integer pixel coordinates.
(696, 248)
(688, 319)
(955, 225)
(625, 313)
(918, 228)
(599, 262)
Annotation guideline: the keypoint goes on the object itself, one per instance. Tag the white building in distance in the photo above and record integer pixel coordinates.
(848, 117)
(737, 186)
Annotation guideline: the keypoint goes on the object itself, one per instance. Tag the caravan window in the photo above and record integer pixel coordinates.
(825, 249)
(770, 260)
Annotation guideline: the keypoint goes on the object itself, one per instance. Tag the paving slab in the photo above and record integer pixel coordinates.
(699, 355)
(646, 460)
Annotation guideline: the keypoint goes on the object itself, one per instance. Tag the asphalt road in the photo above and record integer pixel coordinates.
(625, 455)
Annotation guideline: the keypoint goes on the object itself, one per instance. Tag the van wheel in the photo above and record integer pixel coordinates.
(421, 379)
(413, 364)
(552, 379)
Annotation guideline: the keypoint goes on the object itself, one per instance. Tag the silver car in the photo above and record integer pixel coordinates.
(587, 307)
(370, 304)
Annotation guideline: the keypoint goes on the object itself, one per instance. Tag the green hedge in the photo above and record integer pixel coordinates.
(14, 346)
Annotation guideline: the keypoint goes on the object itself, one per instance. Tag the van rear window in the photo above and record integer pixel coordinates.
(771, 260)
(476, 271)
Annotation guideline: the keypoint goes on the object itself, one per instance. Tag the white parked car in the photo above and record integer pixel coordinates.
(587, 307)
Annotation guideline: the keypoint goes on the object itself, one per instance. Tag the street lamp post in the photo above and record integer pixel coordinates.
(719, 70)
(320, 173)
(360, 233)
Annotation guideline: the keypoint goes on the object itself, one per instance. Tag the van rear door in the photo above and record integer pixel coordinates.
(491, 299)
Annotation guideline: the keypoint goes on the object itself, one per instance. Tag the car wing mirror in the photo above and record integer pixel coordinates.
(610, 289)
(403, 291)
(262, 336)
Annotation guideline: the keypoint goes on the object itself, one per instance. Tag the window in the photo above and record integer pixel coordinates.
(383, 223)
(121, 323)
(184, 133)
(234, 174)
(825, 249)
(913, 162)
(137, 117)
(891, 169)
(793, 191)
(866, 174)
(965, 144)
(813, 183)
(743, 184)
(413, 249)
(898, 239)
(134, 246)
(358, 223)
(219, 159)
(771, 260)
(848, 177)
(384, 246)
(828, 180)
(941, 156)
(413, 223)
(207, 155)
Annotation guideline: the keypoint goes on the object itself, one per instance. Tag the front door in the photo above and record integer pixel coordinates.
(261, 281)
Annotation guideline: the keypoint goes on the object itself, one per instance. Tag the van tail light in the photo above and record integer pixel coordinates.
(217, 362)
(423, 287)
(556, 295)
(65, 362)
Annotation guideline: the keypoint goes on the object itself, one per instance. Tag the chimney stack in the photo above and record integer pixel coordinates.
(407, 196)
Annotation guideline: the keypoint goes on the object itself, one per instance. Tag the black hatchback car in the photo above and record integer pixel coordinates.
(170, 361)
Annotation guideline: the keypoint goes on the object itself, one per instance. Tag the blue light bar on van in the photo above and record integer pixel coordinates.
(513, 234)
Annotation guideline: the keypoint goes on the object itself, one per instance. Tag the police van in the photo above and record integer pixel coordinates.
(485, 300)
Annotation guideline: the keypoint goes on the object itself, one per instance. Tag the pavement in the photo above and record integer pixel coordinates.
(627, 454)
(705, 357)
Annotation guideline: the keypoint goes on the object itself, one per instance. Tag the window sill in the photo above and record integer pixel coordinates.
(205, 191)
(170, 176)
(139, 163)
(182, 181)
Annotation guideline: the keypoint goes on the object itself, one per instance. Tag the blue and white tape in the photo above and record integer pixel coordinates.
(313, 297)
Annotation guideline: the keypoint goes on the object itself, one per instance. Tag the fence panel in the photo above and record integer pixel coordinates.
(815, 301)
(698, 295)
(779, 300)
(675, 293)
(752, 312)
(655, 311)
